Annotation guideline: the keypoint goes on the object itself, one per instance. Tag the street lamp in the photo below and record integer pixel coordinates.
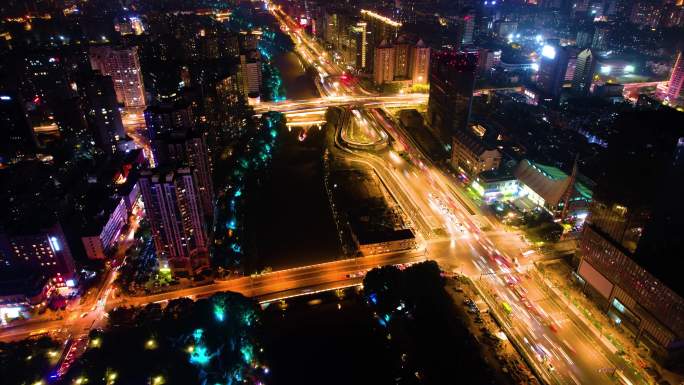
(151, 344)
(95, 343)
(111, 378)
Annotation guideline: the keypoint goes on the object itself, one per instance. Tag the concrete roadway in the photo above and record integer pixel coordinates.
(557, 345)
(286, 282)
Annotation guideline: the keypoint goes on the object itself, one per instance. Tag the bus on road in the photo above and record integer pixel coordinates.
(506, 307)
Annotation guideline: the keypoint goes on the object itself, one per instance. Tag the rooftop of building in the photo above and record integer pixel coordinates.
(498, 175)
(473, 142)
(549, 182)
(14, 283)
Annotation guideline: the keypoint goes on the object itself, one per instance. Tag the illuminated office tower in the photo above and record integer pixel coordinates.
(452, 80)
(554, 64)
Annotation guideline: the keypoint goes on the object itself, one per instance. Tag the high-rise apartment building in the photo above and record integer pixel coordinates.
(572, 65)
(452, 80)
(600, 41)
(337, 28)
(468, 27)
(172, 205)
(169, 118)
(584, 71)
(584, 38)
(102, 112)
(123, 65)
(402, 51)
(177, 142)
(250, 70)
(675, 88)
(401, 62)
(379, 28)
(646, 13)
(383, 63)
(420, 63)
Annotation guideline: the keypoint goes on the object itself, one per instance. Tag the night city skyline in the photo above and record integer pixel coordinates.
(362, 192)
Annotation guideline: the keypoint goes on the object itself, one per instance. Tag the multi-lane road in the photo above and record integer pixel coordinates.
(450, 228)
(286, 283)
(556, 345)
(270, 286)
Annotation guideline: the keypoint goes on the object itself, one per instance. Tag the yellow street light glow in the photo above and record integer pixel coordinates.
(158, 380)
(39, 382)
(151, 344)
(384, 19)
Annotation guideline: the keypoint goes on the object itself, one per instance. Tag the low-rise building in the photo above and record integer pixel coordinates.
(103, 231)
(379, 242)
(551, 188)
(529, 185)
(472, 155)
(496, 185)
